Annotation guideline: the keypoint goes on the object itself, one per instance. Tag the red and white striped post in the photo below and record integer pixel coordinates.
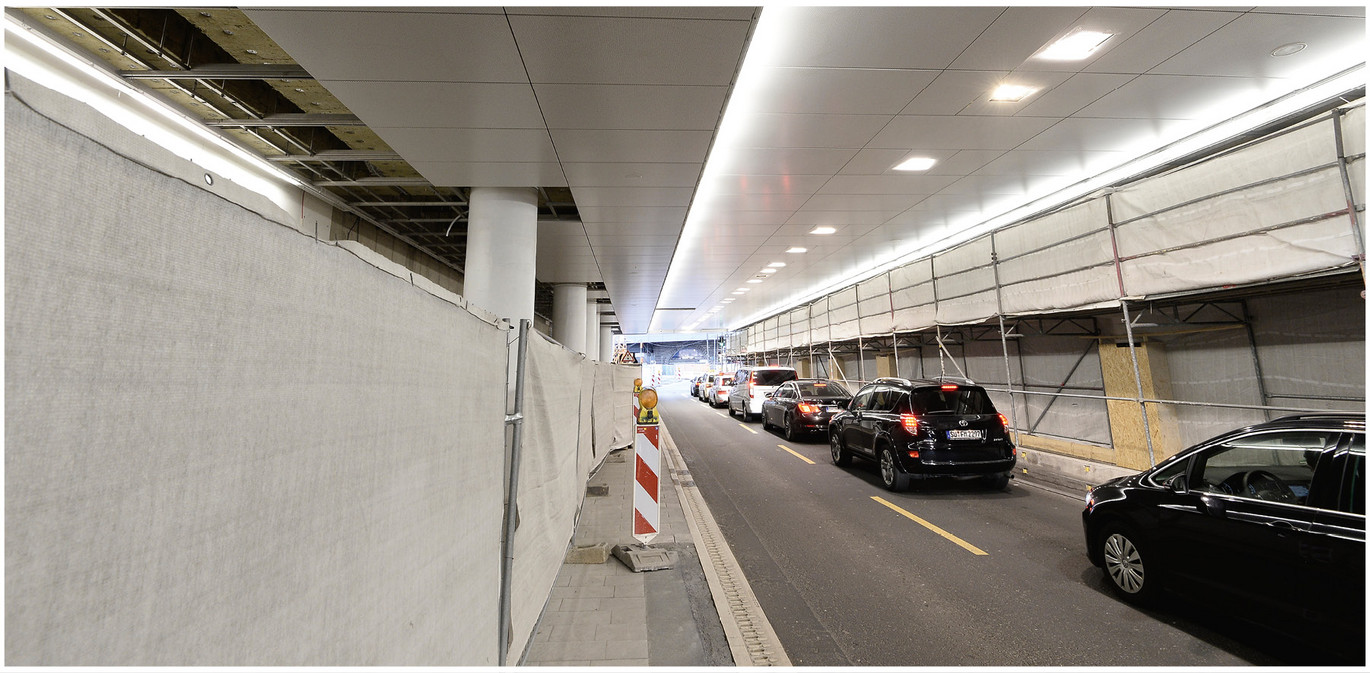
(646, 479)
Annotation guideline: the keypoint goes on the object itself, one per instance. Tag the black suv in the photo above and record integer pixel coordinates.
(922, 428)
(1266, 523)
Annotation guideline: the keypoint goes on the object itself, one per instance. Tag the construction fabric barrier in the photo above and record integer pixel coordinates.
(226, 442)
(1271, 210)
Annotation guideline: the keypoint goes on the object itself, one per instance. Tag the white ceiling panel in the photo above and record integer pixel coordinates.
(579, 50)
(767, 184)
(440, 104)
(631, 146)
(785, 161)
(813, 218)
(1061, 162)
(629, 197)
(649, 216)
(782, 203)
(847, 90)
(618, 106)
(1242, 48)
(1174, 97)
(1016, 34)
(470, 145)
(974, 133)
(490, 174)
(889, 37)
(897, 183)
(632, 174)
(885, 204)
(1172, 32)
(770, 129)
(1104, 135)
(412, 46)
(1044, 81)
(1071, 96)
(949, 162)
(733, 13)
(953, 90)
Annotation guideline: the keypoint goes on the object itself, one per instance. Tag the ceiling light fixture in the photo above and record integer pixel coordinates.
(753, 280)
(776, 265)
(1288, 49)
(916, 164)
(823, 231)
(770, 270)
(737, 292)
(1077, 45)
(797, 250)
(1012, 93)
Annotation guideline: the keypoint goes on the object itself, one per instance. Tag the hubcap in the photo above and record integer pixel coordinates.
(1124, 564)
(836, 446)
(887, 467)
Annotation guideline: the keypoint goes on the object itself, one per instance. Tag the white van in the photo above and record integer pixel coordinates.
(752, 384)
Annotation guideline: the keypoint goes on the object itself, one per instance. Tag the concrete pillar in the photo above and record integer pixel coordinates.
(592, 330)
(1125, 418)
(568, 316)
(606, 343)
(501, 251)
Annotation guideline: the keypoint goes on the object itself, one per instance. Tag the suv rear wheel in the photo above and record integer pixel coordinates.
(890, 475)
(840, 457)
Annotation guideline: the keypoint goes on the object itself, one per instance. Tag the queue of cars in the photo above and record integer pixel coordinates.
(1267, 521)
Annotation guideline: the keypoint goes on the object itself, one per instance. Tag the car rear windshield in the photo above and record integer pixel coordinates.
(822, 389)
(959, 401)
(773, 377)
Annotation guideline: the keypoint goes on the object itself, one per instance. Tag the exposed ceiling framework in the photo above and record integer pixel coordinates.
(612, 112)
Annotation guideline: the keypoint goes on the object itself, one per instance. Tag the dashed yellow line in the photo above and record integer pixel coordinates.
(964, 545)
(797, 454)
(744, 427)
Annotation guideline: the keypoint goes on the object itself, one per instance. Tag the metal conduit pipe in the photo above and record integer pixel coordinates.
(512, 488)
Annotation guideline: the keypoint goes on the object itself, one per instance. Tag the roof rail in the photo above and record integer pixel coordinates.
(955, 379)
(893, 379)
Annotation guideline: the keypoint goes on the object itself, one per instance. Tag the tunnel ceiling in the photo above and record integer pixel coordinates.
(610, 112)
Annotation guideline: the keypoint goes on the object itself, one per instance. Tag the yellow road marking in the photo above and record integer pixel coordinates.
(965, 545)
(744, 427)
(796, 453)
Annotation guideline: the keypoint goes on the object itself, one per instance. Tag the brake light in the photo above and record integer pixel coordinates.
(948, 386)
(910, 423)
(806, 408)
(1004, 419)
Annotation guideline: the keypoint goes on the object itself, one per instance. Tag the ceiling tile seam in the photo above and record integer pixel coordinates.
(713, 139)
(543, 114)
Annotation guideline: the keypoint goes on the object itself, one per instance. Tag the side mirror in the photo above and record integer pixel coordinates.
(770, 395)
(1178, 484)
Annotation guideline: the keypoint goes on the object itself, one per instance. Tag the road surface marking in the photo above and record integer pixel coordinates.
(965, 545)
(744, 427)
(797, 454)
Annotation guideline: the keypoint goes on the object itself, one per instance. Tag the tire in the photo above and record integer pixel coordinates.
(891, 477)
(791, 433)
(997, 482)
(730, 411)
(1128, 569)
(765, 424)
(840, 457)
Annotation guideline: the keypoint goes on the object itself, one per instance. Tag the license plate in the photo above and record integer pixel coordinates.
(965, 434)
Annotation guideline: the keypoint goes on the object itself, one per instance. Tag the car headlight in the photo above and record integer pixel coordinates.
(1089, 498)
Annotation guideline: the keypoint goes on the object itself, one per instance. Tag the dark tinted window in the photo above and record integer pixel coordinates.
(958, 401)
(863, 399)
(1353, 480)
(886, 399)
(773, 377)
(823, 389)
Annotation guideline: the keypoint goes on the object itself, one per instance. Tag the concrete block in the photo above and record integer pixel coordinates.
(594, 553)
(639, 558)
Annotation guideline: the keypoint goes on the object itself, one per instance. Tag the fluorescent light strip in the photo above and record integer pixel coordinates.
(1326, 89)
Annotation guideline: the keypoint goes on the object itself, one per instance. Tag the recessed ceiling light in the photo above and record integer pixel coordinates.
(737, 292)
(916, 164)
(1288, 49)
(770, 270)
(753, 280)
(797, 250)
(823, 230)
(1077, 45)
(744, 289)
(1012, 93)
(776, 265)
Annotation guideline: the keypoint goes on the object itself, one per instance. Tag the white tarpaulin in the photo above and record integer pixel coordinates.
(227, 443)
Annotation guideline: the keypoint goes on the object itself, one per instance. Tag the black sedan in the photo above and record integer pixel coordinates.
(1266, 523)
(803, 406)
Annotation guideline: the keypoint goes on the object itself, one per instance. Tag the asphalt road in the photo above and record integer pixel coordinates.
(846, 579)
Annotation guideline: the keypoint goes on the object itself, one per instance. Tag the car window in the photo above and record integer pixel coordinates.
(727, 381)
(784, 392)
(863, 399)
(773, 377)
(960, 400)
(1168, 472)
(1353, 481)
(822, 389)
(1274, 466)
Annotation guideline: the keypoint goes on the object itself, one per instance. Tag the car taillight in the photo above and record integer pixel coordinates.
(806, 408)
(1004, 419)
(948, 386)
(910, 423)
